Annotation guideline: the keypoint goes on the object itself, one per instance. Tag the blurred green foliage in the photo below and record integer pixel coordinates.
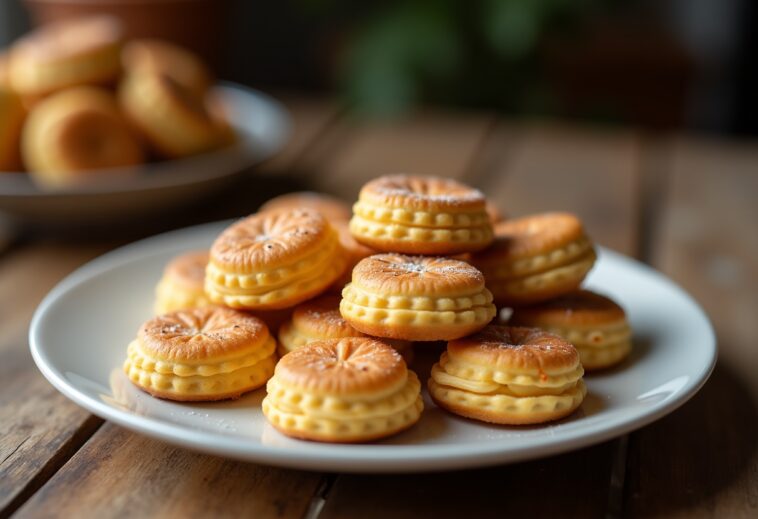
(475, 53)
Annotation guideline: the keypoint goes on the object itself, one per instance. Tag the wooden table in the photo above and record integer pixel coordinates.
(687, 206)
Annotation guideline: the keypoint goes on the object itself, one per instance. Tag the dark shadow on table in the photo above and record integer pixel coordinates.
(686, 459)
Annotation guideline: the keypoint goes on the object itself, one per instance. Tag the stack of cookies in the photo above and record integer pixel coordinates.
(350, 293)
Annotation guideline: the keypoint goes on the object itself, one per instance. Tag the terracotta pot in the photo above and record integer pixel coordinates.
(195, 24)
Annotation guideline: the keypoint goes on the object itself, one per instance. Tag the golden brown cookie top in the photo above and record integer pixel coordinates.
(515, 348)
(270, 239)
(577, 308)
(398, 274)
(321, 317)
(531, 235)
(330, 207)
(422, 194)
(211, 333)
(350, 367)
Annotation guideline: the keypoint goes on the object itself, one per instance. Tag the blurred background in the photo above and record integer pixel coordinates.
(663, 65)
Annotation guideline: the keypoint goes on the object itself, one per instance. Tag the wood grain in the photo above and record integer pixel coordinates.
(588, 171)
(702, 461)
(120, 474)
(513, 169)
(310, 118)
(39, 428)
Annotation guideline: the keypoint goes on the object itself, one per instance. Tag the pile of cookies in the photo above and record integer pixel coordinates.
(76, 98)
(349, 294)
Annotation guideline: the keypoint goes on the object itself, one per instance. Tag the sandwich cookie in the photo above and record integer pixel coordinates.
(509, 375)
(348, 390)
(593, 323)
(421, 215)
(182, 284)
(416, 298)
(199, 354)
(536, 258)
(273, 260)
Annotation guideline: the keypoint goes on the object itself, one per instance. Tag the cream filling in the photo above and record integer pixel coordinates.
(443, 378)
(333, 407)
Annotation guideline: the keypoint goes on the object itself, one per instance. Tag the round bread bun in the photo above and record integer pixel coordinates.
(200, 354)
(596, 325)
(273, 260)
(66, 53)
(182, 284)
(166, 58)
(332, 208)
(416, 298)
(75, 135)
(536, 258)
(509, 375)
(12, 114)
(352, 389)
(421, 215)
(175, 121)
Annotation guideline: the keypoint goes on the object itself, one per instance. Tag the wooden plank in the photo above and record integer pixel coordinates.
(571, 485)
(120, 474)
(587, 171)
(425, 143)
(39, 428)
(702, 460)
(515, 172)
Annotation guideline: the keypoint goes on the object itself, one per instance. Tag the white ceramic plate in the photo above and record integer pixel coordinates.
(262, 126)
(81, 329)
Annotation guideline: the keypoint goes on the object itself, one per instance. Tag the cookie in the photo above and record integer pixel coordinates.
(273, 260)
(509, 375)
(347, 390)
(536, 258)
(182, 283)
(416, 298)
(594, 324)
(201, 354)
(421, 215)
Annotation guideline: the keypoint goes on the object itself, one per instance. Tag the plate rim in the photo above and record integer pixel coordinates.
(361, 458)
